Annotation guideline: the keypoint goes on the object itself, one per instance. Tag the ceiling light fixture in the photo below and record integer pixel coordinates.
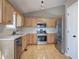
(42, 4)
(42, 1)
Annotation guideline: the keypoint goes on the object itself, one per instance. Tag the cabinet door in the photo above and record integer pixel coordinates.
(33, 39)
(41, 20)
(24, 42)
(34, 22)
(51, 22)
(27, 22)
(10, 11)
(0, 11)
(30, 22)
(19, 20)
(7, 12)
(4, 12)
(51, 38)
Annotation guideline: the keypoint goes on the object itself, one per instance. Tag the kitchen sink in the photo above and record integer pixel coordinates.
(17, 33)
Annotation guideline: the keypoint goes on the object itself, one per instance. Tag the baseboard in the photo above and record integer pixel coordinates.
(66, 54)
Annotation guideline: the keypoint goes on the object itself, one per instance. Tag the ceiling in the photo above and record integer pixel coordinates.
(55, 11)
(26, 6)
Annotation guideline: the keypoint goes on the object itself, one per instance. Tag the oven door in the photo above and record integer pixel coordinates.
(42, 39)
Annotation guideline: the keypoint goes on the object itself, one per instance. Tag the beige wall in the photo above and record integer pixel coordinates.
(5, 31)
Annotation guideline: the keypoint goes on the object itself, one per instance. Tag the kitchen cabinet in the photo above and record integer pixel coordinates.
(24, 42)
(0, 11)
(33, 39)
(51, 38)
(51, 22)
(8, 11)
(27, 22)
(19, 20)
(32, 21)
(41, 20)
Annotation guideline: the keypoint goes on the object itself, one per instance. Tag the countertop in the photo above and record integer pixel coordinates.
(13, 37)
(10, 37)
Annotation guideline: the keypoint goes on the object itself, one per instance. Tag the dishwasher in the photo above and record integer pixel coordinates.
(18, 48)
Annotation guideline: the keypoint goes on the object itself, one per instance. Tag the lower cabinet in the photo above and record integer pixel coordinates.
(28, 39)
(51, 38)
(32, 39)
(24, 42)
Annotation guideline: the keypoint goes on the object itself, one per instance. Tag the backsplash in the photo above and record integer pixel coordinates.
(29, 30)
(5, 31)
(1, 28)
(34, 30)
(53, 30)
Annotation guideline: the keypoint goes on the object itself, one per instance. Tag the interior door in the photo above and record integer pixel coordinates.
(71, 31)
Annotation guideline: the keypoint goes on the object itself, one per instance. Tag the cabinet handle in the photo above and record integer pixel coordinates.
(74, 36)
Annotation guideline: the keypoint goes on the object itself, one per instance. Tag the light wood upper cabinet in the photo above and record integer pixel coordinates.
(27, 22)
(19, 20)
(7, 14)
(41, 20)
(32, 21)
(4, 12)
(51, 22)
(0, 11)
(51, 38)
(8, 11)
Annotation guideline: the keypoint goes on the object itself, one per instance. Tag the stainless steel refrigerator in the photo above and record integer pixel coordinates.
(60, 35)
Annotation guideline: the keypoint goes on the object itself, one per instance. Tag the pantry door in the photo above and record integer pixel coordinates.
(71, 31)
